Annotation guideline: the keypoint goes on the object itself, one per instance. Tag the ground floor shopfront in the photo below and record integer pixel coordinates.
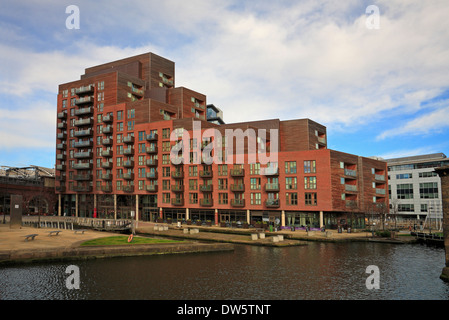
(145, 208)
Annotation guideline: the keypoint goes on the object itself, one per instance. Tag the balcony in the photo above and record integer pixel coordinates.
(379, 177)
(83, 177)
(62, 115)
(108, 118)
(61, 177)
(237, 202)
(151, 187)
(106, 176)
(60, 188)
(152, 175)
(177, 202)
(151, 150)
(61, 167)
(128, 139)
(84, 100)
(350, 188)
(128, 163)
(61, 146)
(82, 166)
(177, 174)
(206, 188)
(61, 136)
(106, 153)
(107, 188)
(152, 162)
(350, 173)
(128, 188)
(206, 173)
(106, 141)
(60, 156)
(84, 122)
(84, 89)
(272, 203)
(137, 91)
(380, 191)
(108, 129)
(83, 144)
(83, 155)
(237, 172)
(128, 176)
(269, 171)
(62, 125)
(177, 188)
(272, 187)
(237, 187)
(106, 165)
(128, 151)
(83, 133)
(152, 137)
(84, 111)
(206, 202)
(82, 188)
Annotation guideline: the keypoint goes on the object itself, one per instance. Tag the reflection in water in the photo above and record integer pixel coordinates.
(317, 271)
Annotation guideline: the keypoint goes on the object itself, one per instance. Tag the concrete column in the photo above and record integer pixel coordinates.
(115, 207)
(59, 204)
(137, 207)
(216, 217)
(76, 205)
(443, 172)
(321, 219)
(187, 214)
(282, 218)
(248, 216)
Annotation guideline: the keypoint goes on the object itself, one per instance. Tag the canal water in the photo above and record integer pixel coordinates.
(323, 271)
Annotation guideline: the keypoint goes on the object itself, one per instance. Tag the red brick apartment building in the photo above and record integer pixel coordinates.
(117, 125)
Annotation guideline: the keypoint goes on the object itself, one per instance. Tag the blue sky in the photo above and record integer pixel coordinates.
(380, 92)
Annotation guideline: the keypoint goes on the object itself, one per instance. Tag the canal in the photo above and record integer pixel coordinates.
(323, 271)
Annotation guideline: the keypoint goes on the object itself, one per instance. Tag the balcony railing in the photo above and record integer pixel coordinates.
(272, 187)
(206, 202)
(84, 122)
(108, 118)
(128, 163)
(82, 188)
(61, 136)
(237, 172)
(177, 188)
(60, 167)
(82, 166)
(379, 177)
(106, 165)
(107, 188)
(82, 155)
(272, 203)
(238, 187)
(108, 129)
(238, 202)
(128, 176)
(106, 141)
(151, 187)
(128, 188)
(151, 149)
(61, 146)
(84, 89)
(177, 202)
(128, 139)
(351, 173)
(106, 176)
(206, 173)
(83, 111)
(152, 175)
(128, 151)
(84, 100)
(82, 133)
(83, 144)
(380, 191)
(349, 187)
(206, 188)
(62, 115)
(152, 136)
(177, 174)
(152, 162)
(106, 153)
(83, 177)
(269, 171)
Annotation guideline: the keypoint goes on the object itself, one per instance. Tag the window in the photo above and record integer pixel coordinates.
(222, 184)
(222, 169)
(404, 191)
(193, 171)
(166, 171)
(119, 126)
(404, 176)
(119, 115)
(142, 136)
(166, 146)
(309, 182)
(254, 168)
(256, 198)
(406, 207)
(223, 198)
(310, 199)
(255, 183)
(309, 166)
(290, 183)
(193, 184)
(166, 133)
(428, 174)
(131, 113)
(166, 197)
(193, 198)
(165, 159)
(291, 198)
(428, 190)
(290, 167)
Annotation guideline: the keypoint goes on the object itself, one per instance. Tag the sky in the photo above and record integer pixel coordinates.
(375, 73)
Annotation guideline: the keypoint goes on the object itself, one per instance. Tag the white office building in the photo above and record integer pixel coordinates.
(415, 188)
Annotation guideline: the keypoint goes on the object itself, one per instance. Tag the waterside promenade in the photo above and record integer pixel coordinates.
(67, 244)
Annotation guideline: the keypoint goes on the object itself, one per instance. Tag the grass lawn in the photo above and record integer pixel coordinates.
(123, 240)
